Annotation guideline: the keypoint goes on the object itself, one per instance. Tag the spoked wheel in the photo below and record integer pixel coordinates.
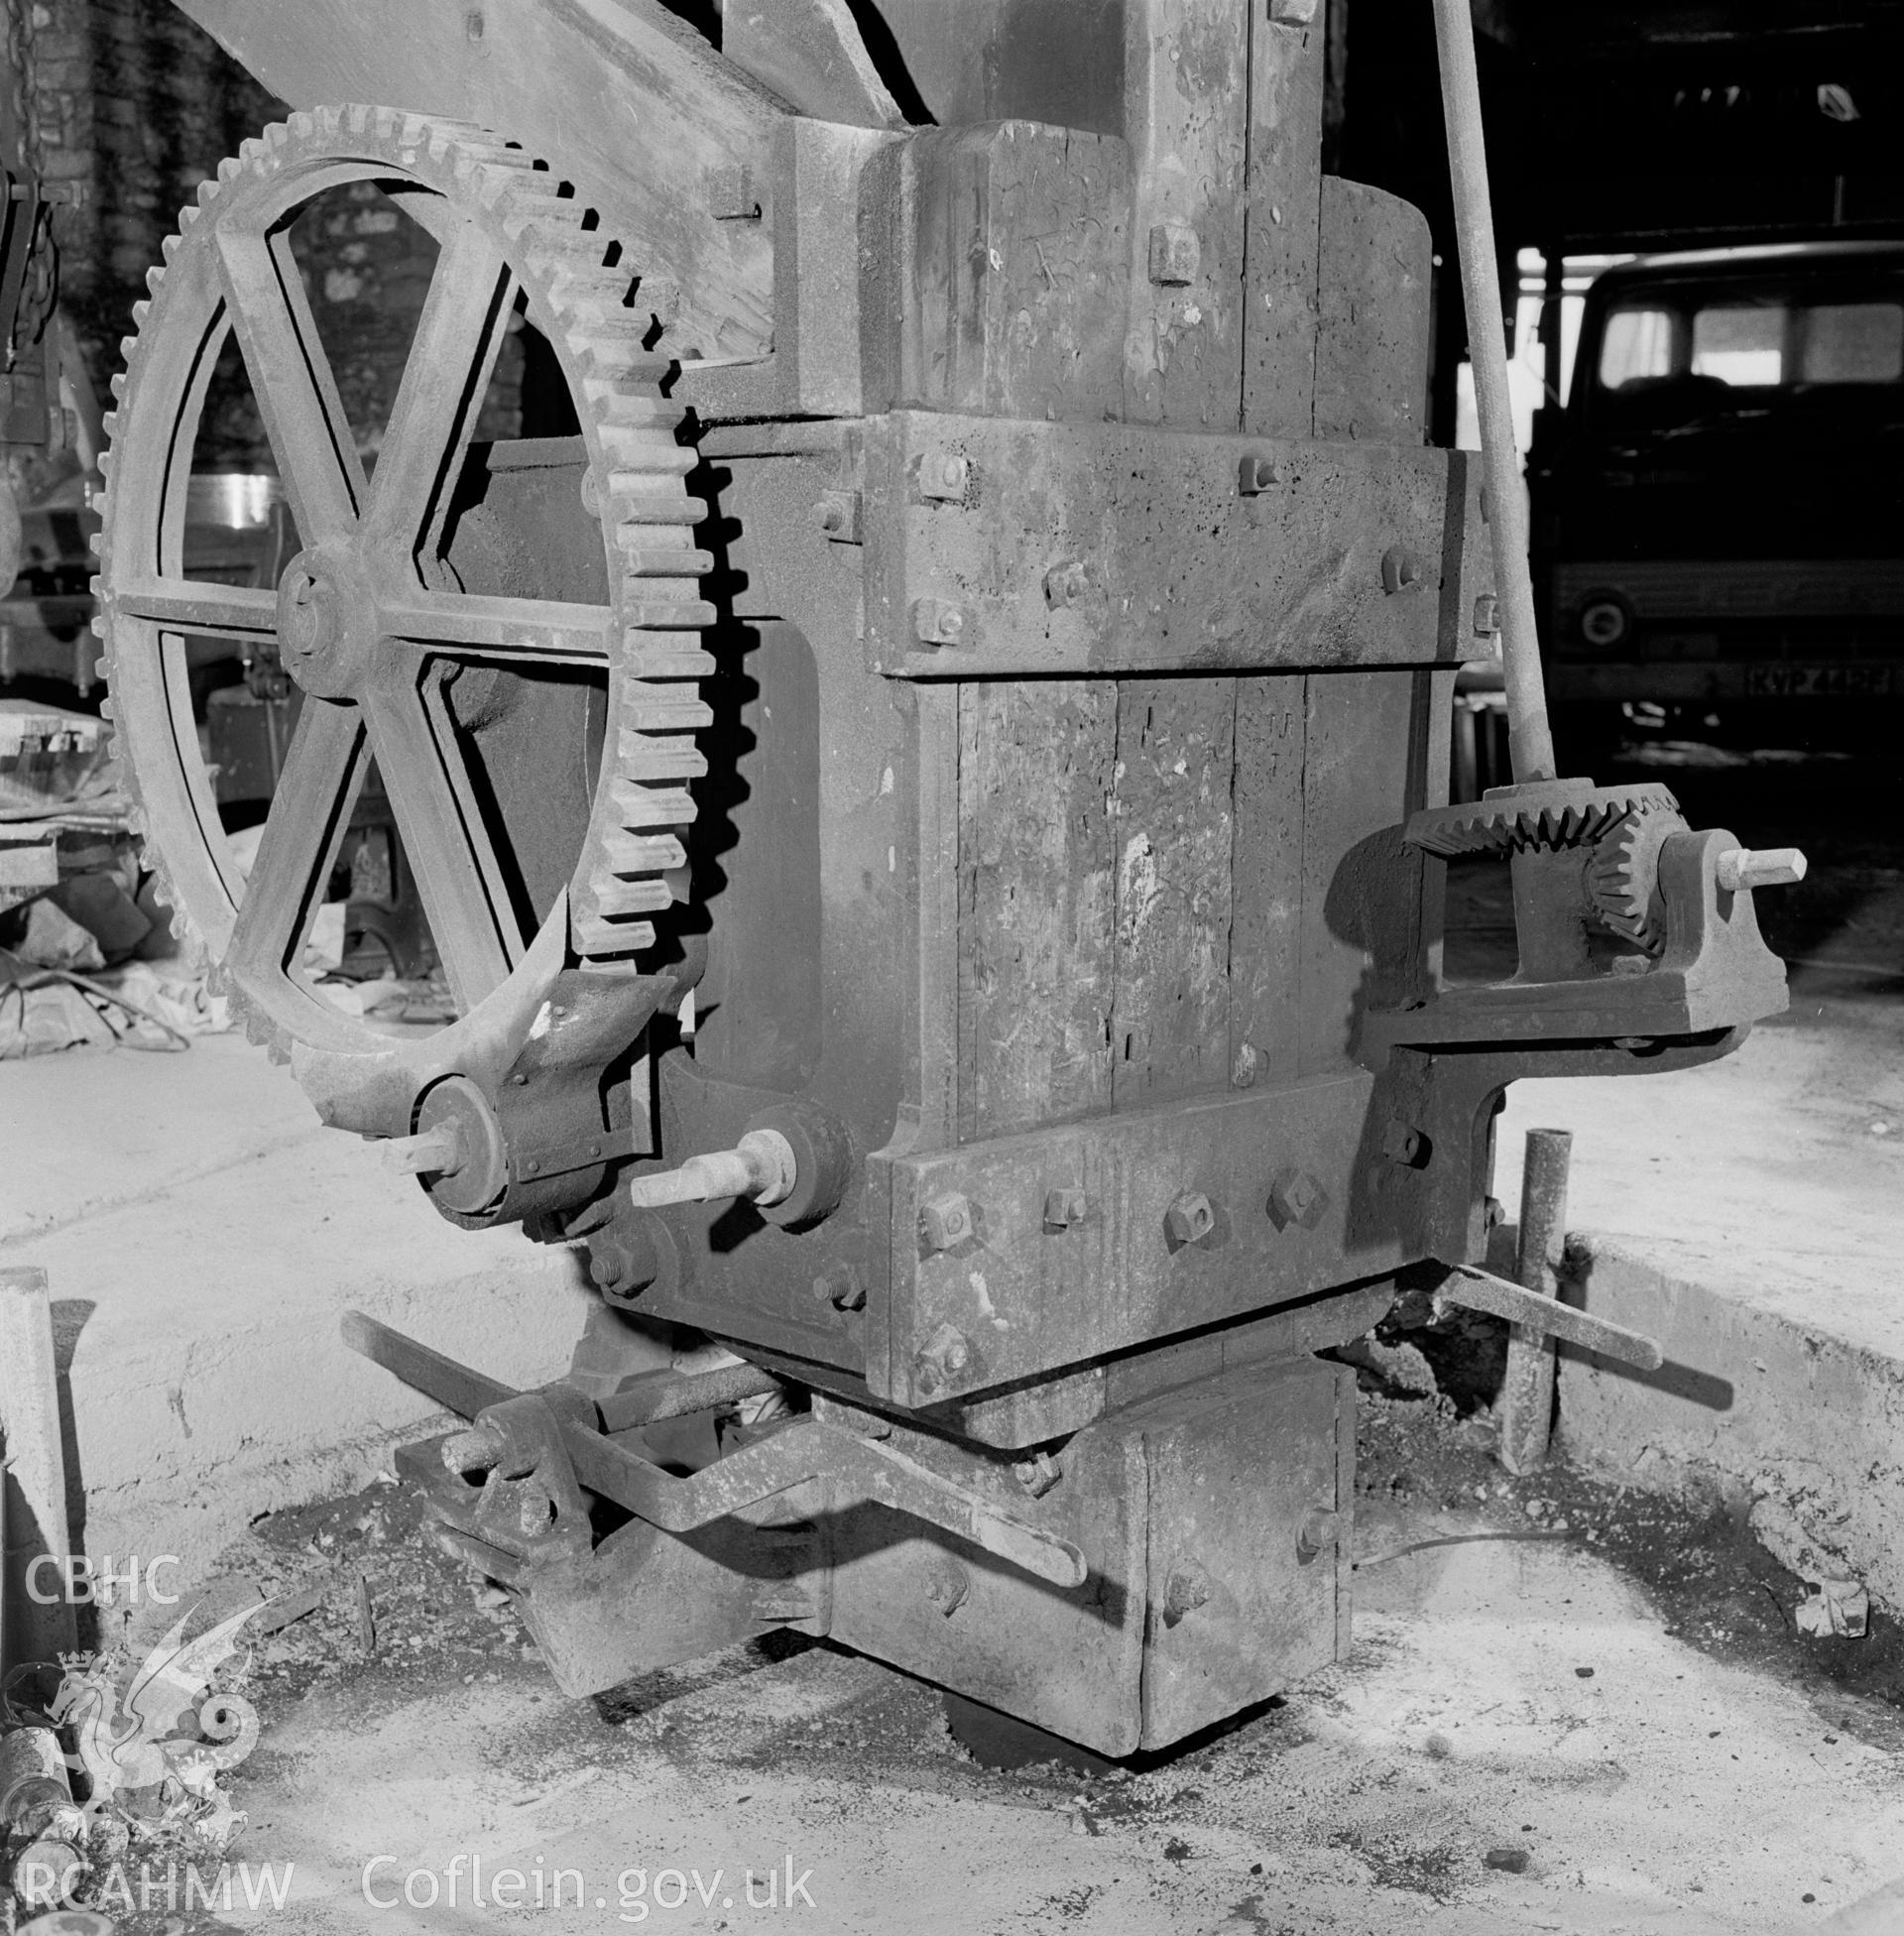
(526, 688)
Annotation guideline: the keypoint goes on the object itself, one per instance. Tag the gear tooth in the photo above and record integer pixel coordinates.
(117, 385)
(188, 214)
(208, 193)
(95, 585)
(107, 460)
(230, 169)
(127, 344)
(301, 124)
(357, 118)
(168, 247)
(328, 119)
(104, 666)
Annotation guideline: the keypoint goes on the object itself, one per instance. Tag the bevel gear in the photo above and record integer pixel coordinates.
(504, 223)
(1541, 813)
(1623, 876)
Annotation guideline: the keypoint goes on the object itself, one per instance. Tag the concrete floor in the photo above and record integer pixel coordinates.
(1500, 1697)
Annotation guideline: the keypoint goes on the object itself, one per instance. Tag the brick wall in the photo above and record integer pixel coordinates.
(138, 106)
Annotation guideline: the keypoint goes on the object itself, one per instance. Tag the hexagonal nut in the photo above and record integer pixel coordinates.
(836, 515)
(1403, 1143)
(1190, 1218)
(940, 622)
(1487, 616)
(1063, 1208)
(1295, 1197)
(1175, 255)
(943, 1356)
(945, 1222)
(1037, 1474)
(622, 1260)
(944, 475)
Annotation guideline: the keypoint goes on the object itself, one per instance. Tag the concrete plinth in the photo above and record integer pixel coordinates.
(1751, 1216)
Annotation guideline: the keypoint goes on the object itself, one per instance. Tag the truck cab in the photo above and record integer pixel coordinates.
(1717, 516)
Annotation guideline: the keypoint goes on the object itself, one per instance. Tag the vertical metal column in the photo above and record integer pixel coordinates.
(1527, 1391)
(1529, 741)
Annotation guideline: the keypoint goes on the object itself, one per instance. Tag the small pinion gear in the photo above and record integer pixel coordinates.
(1623, 876)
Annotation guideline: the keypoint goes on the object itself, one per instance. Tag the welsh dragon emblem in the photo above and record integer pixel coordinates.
(168, 1725)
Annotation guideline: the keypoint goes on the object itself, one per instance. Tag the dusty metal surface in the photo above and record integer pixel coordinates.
(924, 765)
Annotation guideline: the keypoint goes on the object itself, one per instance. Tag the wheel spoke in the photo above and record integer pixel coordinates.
(290, 378)
(223, 611)
(309, 812)
(511, 628)
(458, 336)
(458, 875)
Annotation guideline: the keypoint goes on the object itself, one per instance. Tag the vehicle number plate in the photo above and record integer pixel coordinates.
(1821, 682)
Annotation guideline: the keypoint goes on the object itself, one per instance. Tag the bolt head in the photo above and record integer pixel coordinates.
(1190, 1218)
(1037, 1474)
(1257, 473)
(1402, 569)
(1295, 1197)
(1066, 584)
(1487, 616)
(1403, 1142)
(841, 1287)
(1319, 1532)
(1063, 1208)
(836, 515)
(731, 195)
(1175, 255)
(943, 1356)
(938, 622)
(947, 1585)
(1188, 1588)
(944, 475)
(945, 1221)
(1292, 13)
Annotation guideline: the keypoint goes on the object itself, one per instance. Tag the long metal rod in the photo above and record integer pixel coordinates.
(1531, 742)
(1527, 1389)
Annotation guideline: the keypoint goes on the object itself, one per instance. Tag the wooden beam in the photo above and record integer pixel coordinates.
(618, 95)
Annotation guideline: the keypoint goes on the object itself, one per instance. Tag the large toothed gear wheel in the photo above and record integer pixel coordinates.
(525, 865)
(1540, 813)
(1623, 876)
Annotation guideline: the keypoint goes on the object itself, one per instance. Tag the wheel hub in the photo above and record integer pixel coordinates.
(328, 621)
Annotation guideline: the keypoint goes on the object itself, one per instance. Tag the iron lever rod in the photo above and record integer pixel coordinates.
(1481, 1290)
(1530, 741)
(803, 1449)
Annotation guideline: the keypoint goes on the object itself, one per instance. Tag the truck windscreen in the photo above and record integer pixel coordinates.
(1735, 348)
